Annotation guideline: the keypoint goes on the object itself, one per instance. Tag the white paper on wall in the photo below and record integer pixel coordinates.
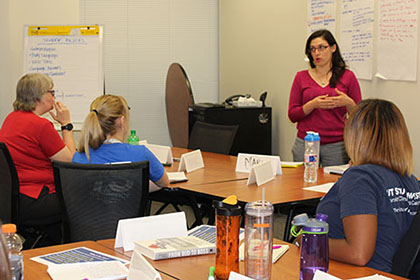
(321, 15)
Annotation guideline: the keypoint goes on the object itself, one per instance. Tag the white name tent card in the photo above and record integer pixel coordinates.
(236, 276)
(163, 153)
(191, 161)
(245, 162)
(141, 269)
(261, 173)
(148, 228)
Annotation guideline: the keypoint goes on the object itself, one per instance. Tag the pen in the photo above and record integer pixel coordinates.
(336, 173)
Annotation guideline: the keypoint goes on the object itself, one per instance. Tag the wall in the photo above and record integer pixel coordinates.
(14, 14)
(262, 48)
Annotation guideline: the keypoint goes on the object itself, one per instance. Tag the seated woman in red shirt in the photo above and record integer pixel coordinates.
(33, 143)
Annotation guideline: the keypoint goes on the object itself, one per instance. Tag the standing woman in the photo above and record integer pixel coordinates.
(321, 98)
(103, 138)
(33, 143)
(372, 205)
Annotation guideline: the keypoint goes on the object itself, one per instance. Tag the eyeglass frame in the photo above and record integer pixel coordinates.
(320, 48)
(52, 92)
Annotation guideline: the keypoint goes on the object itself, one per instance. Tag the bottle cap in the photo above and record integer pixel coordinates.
(133, 132)
(8, 228)
(227, 207)
(312, 136)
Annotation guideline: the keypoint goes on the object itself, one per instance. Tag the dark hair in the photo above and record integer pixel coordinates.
(338, 64)
(376, 133)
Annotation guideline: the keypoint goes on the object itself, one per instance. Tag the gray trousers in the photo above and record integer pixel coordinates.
(329, 154)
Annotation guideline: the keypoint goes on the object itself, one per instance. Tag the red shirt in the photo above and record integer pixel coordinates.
(329, 123)
(31, 140)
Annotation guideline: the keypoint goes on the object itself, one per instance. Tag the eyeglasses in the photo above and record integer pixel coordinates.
(320, 48)
(52, 92)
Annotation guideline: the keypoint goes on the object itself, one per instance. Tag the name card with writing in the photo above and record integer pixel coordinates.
(261, 173)
(191, 161)
(163, 153)
(159, 226)
(245, 162)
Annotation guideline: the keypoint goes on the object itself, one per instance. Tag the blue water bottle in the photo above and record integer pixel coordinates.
(314, 254)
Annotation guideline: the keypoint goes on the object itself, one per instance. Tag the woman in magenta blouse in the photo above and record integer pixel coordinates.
(321, 97)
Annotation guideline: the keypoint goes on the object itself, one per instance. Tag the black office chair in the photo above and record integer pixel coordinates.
(213, 138)
(94, 197)
(406, 260)
(9, 188)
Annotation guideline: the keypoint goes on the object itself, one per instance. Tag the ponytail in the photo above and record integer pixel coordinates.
(101, 121)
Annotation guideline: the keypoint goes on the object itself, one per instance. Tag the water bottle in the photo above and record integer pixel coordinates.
(311, 158)
(5, 272)
(133, 139)
(314, 254)
(14, 243)
(258, 239)
(228, 220)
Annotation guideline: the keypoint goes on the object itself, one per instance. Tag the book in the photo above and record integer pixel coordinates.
(166, 248)
(336, 169)
(208, 233)
(278, 251)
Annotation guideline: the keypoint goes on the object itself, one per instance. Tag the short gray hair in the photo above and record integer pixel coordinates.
(30, 88)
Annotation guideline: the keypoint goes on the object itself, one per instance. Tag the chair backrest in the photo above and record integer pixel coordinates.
(213, 138)
(406, 260)
(94, 197)
(9, 187)
(178, 97)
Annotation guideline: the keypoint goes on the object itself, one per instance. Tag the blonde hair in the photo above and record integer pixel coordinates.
(376, 133)
(101, 121)
(30, 89)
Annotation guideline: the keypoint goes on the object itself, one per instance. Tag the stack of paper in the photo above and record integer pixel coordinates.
(336, 169)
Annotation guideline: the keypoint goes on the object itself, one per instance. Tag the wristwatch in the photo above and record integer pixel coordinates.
(68, 127)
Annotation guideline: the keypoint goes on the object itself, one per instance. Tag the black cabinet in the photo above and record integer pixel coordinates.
(254, 132)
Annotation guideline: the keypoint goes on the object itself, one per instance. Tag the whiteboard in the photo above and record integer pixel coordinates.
(72, 57)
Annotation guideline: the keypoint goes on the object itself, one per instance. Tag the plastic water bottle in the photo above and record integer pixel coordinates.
(314, 253)
(133, 139)
(311, 157)
(14, 243)
(5, 271)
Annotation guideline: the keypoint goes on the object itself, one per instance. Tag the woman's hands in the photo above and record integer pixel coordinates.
(62, 114)
(329, 102)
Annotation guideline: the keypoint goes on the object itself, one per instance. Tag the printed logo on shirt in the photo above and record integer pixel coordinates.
(403, 201)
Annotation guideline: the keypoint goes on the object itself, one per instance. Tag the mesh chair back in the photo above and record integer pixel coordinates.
(95, 196)
(9, 187)
(213, 138)
(406, 261)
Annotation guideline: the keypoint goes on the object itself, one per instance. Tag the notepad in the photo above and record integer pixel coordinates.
(292, 164)
(176, 177)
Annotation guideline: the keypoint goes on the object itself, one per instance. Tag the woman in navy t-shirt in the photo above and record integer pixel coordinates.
(372, 205)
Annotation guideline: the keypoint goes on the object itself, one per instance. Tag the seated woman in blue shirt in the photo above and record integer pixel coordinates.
(372, 205)
(103, 135)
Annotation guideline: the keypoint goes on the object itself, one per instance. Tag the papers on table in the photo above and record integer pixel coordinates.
(336, 169)
(320, 188)
(76, 255)
(111, 270)
(320, 275)
(176, 177)
(236, 276)
(208, 233)
(291, 163)
(160, 226)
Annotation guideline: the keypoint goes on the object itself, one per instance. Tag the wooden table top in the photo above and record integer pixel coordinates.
(285, 188)
(287, 267)
(37, 271)
(217, 168)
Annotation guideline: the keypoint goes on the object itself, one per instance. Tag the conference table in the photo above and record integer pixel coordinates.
(218, 180)
(286, 268)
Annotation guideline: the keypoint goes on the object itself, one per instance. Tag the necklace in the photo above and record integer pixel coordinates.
(325, 81)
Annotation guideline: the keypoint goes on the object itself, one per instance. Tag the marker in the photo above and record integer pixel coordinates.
(211, 273)
(276, 246)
